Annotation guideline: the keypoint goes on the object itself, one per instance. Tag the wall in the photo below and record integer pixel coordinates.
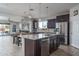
(46, 30)
(12, 19)
(17, 20)
(53, 17)
(74, 27)
(4, 21)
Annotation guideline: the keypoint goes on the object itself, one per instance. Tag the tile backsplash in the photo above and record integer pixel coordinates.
(46, 30)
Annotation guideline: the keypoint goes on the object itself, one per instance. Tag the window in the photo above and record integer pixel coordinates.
(4, 28)
(42, 24)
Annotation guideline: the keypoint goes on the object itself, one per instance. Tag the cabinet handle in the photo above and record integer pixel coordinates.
(44, 40)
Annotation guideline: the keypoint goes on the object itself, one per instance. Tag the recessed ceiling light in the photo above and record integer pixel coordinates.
(30, 16)
(31, 9)
(46, 7)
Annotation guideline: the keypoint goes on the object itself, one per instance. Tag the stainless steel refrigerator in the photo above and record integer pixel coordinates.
(63, 29)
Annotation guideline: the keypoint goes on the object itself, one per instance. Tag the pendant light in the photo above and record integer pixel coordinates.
(29, 16)
(47, 11)
(39, 11)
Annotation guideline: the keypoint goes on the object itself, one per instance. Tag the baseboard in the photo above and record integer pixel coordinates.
(74, 46)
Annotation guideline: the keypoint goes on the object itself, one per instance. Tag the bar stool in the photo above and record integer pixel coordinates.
(19, 41)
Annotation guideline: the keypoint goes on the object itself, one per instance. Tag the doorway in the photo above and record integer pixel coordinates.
(74, 31)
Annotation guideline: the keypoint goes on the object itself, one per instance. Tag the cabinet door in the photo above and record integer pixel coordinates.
(54, 43)
(35, 24)
(29, 47)
(44, 47)
(62, 18)
(51, 23)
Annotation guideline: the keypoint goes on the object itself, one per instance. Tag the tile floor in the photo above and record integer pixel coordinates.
(70, 50)
(7, 48)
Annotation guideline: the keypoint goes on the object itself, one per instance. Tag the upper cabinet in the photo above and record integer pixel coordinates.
(51, 23)
(62, 18)
(35, 24)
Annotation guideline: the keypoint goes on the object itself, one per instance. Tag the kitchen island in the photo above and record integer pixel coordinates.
(40, 44)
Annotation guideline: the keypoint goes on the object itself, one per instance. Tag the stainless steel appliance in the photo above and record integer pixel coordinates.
(62, 26)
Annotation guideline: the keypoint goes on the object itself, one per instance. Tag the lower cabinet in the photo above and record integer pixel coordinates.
(38, 47)
(62, 39)
(54, 43)
(41, 47)
(44, 47)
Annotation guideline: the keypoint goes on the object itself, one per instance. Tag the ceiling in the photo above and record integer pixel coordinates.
(39, 10)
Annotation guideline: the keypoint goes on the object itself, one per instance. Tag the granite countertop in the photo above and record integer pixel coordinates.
(37, 36)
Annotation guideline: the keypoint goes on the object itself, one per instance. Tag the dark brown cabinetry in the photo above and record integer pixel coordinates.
(44, 47)
(36, 47)
(51, 23)
(62, 18)
(32, 47)
(62, 39)
(54, 43)
(35, 25)
(41, 47)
